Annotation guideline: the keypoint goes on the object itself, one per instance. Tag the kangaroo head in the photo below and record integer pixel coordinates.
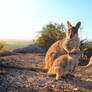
(72, 30)
(75, 53)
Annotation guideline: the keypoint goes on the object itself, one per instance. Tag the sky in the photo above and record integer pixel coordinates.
(22, 19)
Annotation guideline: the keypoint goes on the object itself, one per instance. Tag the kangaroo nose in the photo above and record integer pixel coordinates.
(70, 36)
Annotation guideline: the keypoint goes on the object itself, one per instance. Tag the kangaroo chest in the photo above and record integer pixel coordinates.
(73, 44)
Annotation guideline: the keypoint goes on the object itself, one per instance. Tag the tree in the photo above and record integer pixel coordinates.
(49, 34)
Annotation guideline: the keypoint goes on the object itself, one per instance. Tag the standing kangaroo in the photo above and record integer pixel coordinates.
(63, 46)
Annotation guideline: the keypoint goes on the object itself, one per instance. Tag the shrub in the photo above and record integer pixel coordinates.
(85, 44)
(2, 44)
(49, 34)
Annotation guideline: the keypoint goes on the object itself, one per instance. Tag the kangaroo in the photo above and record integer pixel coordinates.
(65, 64)
(63, 46)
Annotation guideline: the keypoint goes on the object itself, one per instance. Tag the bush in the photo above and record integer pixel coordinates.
(49, 34)
(85, 44)
(2, 44)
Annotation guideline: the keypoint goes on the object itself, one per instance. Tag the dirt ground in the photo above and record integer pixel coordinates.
(20, 79)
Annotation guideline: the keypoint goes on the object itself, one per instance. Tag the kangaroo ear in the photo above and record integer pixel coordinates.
(69, 24)
(78, 25)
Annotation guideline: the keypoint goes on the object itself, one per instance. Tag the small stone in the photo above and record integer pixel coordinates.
(75, 89)
(89, 80)
(53, 86)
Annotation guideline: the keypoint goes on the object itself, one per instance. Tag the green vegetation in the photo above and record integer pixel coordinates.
(49, 34)
(85, 44)
(2, 45)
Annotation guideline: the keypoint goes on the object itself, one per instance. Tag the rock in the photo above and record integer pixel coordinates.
(24, 80)
(75, 89)
(2, 89)
(27, 90)
(29, 49)
(7, 53)
(89, 80)
(3, 72)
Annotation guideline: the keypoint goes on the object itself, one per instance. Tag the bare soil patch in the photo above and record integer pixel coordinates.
(28, 80)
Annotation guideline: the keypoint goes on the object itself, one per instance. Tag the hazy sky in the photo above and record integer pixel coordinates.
(23, 18)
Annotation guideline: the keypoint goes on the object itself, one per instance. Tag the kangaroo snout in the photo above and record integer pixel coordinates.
(71, 36)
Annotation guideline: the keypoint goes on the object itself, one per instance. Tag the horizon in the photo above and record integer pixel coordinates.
(22, 19)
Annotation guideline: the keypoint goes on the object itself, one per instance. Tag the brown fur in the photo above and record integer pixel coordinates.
(64, 46)
(65, 64)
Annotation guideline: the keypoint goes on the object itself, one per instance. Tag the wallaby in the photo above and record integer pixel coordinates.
(63, 46)
(65, 64)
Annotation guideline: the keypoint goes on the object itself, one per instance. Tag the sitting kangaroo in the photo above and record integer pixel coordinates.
(63, 46)
(65, 64)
